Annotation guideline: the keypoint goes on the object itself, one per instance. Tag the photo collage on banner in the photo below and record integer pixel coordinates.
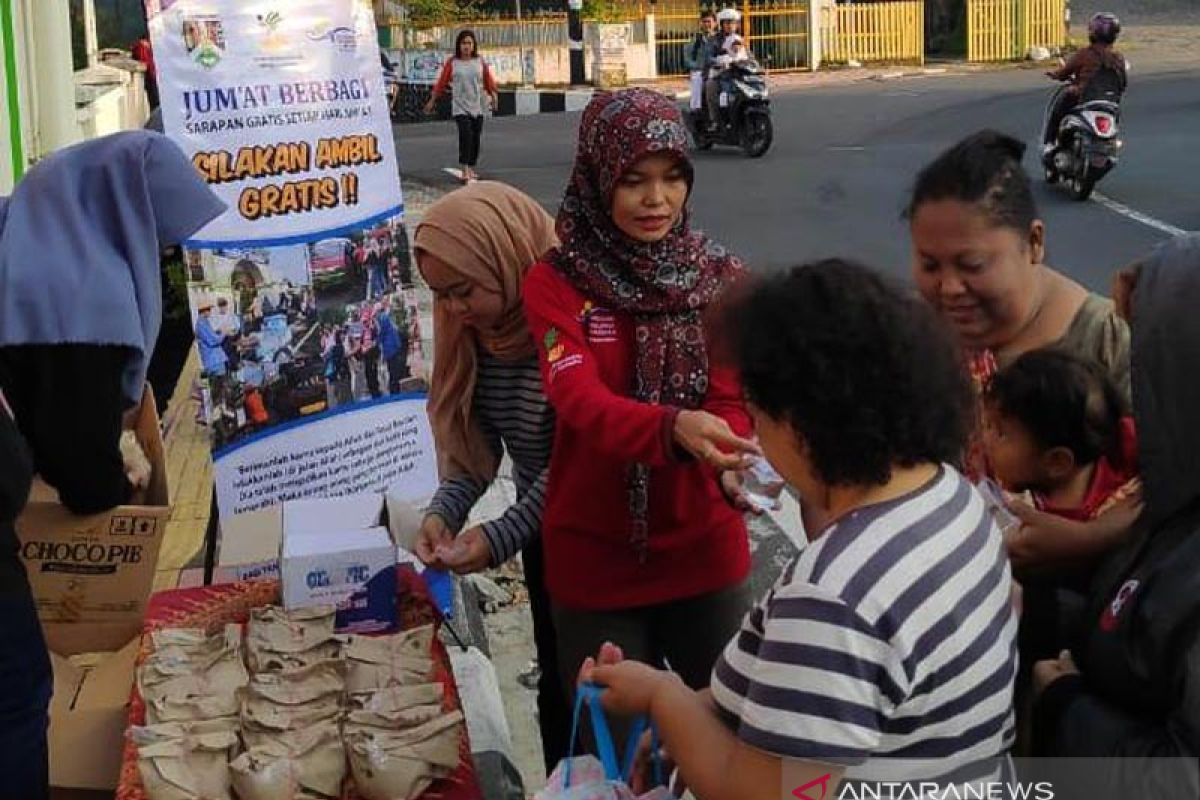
(305, 318)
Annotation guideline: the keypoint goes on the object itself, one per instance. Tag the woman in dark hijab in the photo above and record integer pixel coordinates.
(1129, 688)
(643, 528)
(80, 310)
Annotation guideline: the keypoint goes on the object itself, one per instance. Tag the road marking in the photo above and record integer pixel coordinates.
(847, 149)
(1138, 216)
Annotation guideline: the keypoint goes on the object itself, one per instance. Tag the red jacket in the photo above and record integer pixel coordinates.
(698, 542)
(144, 53)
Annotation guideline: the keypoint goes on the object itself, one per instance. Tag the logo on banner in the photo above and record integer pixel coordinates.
(343, 39)
(271, 41)
(204, 40)
(277, 48)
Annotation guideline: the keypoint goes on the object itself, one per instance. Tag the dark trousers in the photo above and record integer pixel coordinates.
(397, 370)
(470, 131)
(25, 688)
(152, 92)
(372, 363)
(689, 635)
(1066, 101)
(554, 716)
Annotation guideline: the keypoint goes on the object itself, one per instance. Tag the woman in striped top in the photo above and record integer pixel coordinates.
(885, 654)
(473, 248)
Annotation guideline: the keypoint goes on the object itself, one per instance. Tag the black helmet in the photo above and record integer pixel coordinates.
(1104, 28)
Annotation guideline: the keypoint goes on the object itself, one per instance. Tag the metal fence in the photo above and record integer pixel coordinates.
(1005, 30)
(778, 35)
(673, 35)
(776, 32)
(874, 32)
(548, 31)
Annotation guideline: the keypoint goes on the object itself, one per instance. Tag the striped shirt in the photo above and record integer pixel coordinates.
(887, 646)
(513, 414)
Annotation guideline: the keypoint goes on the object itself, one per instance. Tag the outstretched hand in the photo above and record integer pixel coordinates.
(710, 439)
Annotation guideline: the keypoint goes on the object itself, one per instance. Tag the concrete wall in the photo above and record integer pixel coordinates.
(546, 66)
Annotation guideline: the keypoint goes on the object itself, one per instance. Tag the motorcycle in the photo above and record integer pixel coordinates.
(745, 112)
(1087, 144)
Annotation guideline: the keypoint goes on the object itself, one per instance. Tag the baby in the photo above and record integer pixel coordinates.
(1055, 427)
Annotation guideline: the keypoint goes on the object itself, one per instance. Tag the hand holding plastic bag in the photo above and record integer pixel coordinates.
(589, 778)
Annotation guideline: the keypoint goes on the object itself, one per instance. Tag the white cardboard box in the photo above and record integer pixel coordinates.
(250, 542)
(354, 570)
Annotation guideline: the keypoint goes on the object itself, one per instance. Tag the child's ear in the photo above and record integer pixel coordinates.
(1059, 463)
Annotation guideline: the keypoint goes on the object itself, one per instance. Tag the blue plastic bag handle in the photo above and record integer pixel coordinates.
(441, 590)
(589, 694)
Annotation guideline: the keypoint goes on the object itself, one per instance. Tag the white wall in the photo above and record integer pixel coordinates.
(551, 65)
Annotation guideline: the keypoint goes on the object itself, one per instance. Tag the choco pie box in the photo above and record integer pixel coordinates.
(91, 578)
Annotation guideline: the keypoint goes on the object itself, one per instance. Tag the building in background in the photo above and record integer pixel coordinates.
(47, 102)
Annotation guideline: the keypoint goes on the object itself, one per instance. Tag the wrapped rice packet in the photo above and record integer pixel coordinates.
(186, 761)
(300, 686)
(402, 764)
(266, 660)
(278, 641)
(396, 708)
(272, 628)
(182, 643)
(268, 715)
(177, 654)
(263, 720)
(380, 662)
(209, 693)
(308, 764)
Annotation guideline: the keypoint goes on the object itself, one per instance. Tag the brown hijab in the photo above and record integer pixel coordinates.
(490, 234)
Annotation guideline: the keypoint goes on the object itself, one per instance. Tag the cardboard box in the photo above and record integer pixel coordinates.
(354, 570)
(251, 545)
(250, 542)
(91, 578)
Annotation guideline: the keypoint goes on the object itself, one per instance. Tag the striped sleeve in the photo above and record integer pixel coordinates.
(519, 525)
(454, 500)
(813, 680)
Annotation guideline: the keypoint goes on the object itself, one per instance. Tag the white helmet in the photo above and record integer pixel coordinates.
(729, 15)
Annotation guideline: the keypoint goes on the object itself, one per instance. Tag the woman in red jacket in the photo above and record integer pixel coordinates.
(645, 543)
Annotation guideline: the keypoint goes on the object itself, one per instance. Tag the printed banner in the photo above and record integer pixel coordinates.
(281, 106)
(304, 318)
(366, 447)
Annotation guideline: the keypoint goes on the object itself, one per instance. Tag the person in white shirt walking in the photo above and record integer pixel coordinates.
(473, 93)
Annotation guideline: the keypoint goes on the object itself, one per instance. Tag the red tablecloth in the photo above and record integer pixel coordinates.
(212, 606)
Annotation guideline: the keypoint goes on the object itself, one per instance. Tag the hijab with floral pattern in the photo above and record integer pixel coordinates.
(664, 285)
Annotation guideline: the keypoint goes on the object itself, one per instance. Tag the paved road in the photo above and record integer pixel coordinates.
(835, 182)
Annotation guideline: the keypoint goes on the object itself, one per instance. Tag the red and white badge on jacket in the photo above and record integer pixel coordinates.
(1112, 612)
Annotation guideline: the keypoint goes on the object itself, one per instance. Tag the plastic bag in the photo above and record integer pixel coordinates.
(589, 778)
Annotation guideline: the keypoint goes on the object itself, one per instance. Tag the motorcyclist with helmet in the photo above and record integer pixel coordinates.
(730, 48)
(1095, 71)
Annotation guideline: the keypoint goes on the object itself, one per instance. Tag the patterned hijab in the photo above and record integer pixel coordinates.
(666, 285)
